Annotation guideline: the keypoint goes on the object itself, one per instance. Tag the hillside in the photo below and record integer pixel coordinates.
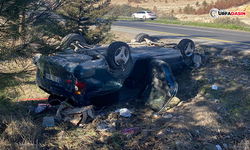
(161, 7)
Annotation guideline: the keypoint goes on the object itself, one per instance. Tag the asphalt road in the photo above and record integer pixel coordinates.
(219, 38)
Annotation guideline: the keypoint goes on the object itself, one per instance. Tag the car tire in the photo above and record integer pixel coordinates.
(133, 17)
(152, 19)
(141, 37)
(144, 18)
(187, 47)
(112, 58)
(71, 38)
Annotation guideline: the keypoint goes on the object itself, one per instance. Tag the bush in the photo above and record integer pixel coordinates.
(204, 4)
(197, 4)
(228, 20)
(189, 9)
(168, 16)
(220, 4)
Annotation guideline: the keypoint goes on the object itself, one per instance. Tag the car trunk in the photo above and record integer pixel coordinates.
(58, 70)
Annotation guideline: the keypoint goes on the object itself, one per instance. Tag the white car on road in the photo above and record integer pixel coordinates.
(144, 15)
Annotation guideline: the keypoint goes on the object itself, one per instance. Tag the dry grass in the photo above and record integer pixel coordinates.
(198, 123)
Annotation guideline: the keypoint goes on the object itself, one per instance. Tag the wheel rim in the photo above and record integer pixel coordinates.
(144, 17)
(189, 49)
(121, 55)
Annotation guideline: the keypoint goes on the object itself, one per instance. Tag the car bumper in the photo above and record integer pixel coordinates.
(151, 17)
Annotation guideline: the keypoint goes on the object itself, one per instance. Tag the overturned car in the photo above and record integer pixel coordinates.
(85, 74)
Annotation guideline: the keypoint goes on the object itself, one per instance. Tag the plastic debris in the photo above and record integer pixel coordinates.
(41, 107)
(130, 130)
(197, 60)
(214, 87)
(216, 101)
(124, 112)
(105, 127)
(218, 147)
(167, 116)
(48, 121)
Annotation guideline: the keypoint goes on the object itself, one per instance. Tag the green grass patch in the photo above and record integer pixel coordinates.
(231, 26)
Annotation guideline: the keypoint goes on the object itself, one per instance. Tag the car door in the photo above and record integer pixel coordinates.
(138, 15)
(162, 85)
(143, 14)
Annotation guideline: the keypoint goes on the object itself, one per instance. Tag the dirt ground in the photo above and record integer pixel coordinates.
(197, 118)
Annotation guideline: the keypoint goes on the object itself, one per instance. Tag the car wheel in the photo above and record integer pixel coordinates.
(118, 55)
(141, 37)
(71, 38)
(134, 16)
(152, 19)
(186, 46)
(144, 18)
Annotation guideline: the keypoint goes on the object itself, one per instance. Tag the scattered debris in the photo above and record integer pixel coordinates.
(167, 116)
(197, 131)
(124, 112)
(105, 127)
(40, 108)
(48, 121)
(113, 115)
(75, 115)
(216, 101)
(197, 61)
(218, 147)
(130, 130)
(214, 87)
(180, 104)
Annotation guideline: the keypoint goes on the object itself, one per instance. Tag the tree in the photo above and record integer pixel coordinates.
(80, 14)
(18, 21)
(204, 3)
(197, 4)
(24, 23)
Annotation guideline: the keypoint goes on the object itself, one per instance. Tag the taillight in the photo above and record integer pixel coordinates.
(68, 81)
(149, 14)
(79, 87)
